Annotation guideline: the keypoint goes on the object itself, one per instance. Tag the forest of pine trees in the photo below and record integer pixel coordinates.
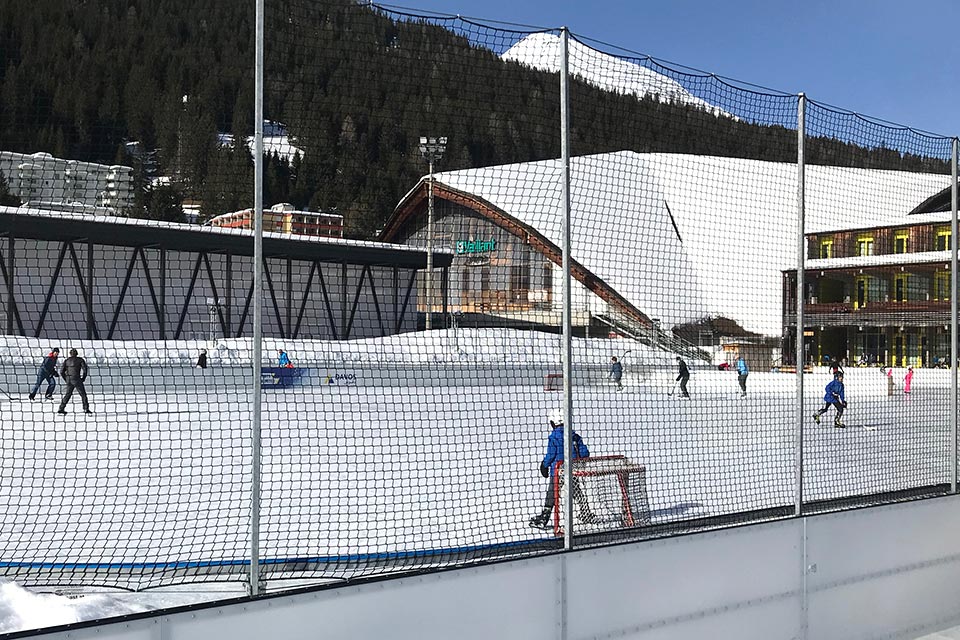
(354, 88)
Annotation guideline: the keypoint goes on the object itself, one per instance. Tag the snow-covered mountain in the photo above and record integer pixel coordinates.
(542, 51)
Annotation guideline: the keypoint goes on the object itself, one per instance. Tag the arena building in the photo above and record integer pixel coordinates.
(660, 241)
(877, 295)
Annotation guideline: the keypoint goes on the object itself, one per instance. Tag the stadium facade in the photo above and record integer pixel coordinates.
(73, 276)
(659, 240)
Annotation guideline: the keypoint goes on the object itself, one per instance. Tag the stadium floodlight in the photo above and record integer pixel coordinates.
(431, 149)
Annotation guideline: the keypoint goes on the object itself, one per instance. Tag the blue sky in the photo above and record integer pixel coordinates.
(893, 60)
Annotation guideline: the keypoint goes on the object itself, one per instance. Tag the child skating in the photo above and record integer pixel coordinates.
(833, 396)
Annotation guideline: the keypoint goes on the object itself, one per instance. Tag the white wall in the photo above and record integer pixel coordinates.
(888, 572)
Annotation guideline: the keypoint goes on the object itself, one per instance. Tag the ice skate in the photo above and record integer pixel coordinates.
(839, 425)
(541, 521)
(816, 418)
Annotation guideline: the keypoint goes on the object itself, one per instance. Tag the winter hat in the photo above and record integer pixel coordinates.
(555, 417)
(73, 352)
(56, 349)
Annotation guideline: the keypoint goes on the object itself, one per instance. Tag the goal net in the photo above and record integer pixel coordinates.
(609, 492)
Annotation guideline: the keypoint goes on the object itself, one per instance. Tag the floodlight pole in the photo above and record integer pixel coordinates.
(431, 149)
(801, 273)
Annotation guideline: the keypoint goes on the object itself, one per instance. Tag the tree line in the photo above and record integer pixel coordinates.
(355, 89)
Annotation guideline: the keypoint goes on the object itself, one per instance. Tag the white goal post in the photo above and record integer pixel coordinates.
(609, 492)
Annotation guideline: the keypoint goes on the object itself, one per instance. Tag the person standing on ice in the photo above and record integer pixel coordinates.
(548, 467)
(47, 372)
(683, 376)
(202, 360)
(616, 372)
(742, 372)
(284, 360)
(908, 380)
(833, 396)
(74, 373)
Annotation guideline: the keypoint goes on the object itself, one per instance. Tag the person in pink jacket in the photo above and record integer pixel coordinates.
(907, 379)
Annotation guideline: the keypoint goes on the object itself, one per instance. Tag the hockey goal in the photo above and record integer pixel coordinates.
(553, 382)
(609, 492)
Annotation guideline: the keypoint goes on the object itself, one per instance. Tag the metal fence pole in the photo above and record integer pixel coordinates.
(801, 267)
(567, 308)
(254, 586)
(953, 318)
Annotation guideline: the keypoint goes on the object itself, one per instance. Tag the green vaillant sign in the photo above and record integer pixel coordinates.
(476, 246)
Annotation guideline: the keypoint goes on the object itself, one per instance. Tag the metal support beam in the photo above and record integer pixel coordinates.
(343, 302)
(53, 285)
(326, 303)
(163, 294)
(567, 311)
(8, 274)
(229, 295)
(91, 320)
(289, 300)
(303, 303)
(801, 266)
(954, 290)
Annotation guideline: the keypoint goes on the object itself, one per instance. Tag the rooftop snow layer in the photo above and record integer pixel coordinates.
(736, 220)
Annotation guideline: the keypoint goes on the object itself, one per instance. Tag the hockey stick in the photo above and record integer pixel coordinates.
(672, 389)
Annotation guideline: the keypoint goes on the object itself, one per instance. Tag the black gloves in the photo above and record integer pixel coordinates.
(544, 470)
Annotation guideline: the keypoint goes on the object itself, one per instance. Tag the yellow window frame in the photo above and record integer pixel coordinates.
(898, 279)
(943, 232)
(865, 240)
(866, 292)
(941, 285)
(826, 249)
(905, 237)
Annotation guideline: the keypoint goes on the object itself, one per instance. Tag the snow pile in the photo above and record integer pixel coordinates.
(542, 51)
(21, 609)
(463, 346)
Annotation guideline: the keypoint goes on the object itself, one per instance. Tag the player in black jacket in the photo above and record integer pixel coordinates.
(683, 376)
(74, 372)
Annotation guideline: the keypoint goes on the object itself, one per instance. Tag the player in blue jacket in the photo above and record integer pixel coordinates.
(616, 372)
(833, 396)
(47, 372)
(548, 467)
(284, 359)
(742, 372)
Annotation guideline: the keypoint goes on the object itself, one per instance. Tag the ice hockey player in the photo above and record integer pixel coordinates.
(47, 372)
(742, 372)
(74, 373)
(202, 360)
(548, 467)
(683, 376)
(616, 372)
(284, 360)
(833, 396)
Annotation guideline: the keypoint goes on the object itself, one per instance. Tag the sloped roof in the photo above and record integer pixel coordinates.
(681, 236)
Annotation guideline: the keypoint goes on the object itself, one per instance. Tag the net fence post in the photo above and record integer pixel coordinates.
(801, 265)
(953, 317)
(254, 585)
(567, 308)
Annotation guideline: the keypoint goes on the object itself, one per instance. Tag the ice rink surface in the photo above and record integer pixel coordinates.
(351, 470)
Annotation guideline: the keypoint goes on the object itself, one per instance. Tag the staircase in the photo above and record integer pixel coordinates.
(652, 336)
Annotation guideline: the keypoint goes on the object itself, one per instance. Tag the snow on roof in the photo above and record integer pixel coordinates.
(193, 228)
(736, 220)
(885, 260)
(542, 51)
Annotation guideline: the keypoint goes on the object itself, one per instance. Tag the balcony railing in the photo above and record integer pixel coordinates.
(880, 313)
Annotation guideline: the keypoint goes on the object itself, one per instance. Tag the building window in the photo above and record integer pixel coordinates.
(943, 239)
(900, 288)
(826, 249)
(862, 292)
(900, 242)
(865, 246)
(941, 285)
